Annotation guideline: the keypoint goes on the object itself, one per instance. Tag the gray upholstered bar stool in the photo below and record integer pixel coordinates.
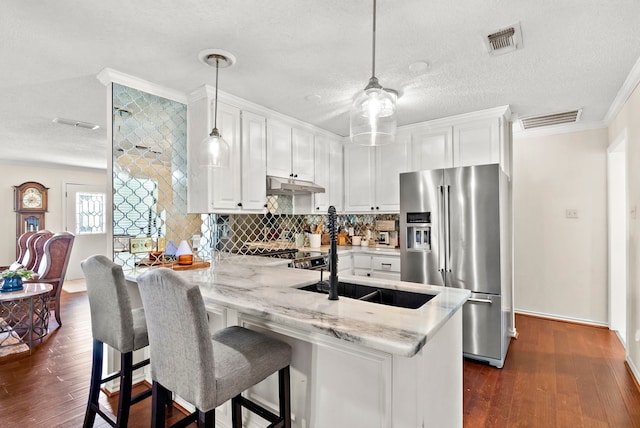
(115, 323)
(204, 369)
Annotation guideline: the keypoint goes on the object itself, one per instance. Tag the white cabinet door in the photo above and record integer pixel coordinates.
(225, 184)
(391, 160)
(476, 142)
(254, 169)
(336, 176)
(328, 174)
(359, 163)
(278, 149)
(322, 162)
(431, 148)
(302, 160)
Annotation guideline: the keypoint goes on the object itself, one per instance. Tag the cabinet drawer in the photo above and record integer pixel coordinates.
(345, 262)
(388, 264)
(362, 272)
(361, 261)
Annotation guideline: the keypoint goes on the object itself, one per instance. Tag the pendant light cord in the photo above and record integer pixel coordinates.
(215, 110)
(373, 61)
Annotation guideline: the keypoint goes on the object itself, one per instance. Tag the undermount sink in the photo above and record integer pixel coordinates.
(382, 296)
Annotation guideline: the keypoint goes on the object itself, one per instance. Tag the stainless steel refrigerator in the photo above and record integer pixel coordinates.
(455, 231)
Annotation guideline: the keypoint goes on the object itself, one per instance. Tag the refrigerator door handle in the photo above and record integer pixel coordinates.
(441, 231)
(447, 228)
(471, 299)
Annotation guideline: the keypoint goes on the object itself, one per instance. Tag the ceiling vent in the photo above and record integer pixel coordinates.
(504, 40)
(76, 123)
(572, 116)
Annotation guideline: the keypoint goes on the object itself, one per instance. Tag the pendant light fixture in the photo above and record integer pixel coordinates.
(373, 118)
(216, 152)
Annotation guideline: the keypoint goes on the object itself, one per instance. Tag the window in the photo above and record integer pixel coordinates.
(90, 213)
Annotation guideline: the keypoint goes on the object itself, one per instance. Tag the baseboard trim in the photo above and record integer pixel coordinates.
(635, 374)
(554, 317)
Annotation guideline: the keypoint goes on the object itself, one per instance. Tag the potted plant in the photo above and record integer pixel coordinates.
(12, 279)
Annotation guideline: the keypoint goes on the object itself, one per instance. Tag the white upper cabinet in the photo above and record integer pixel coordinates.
(242, 186)
(302, 150)
(477, 138)
(372, 176)
(278, 149)
(328, 174)
(359, 176)
(476, 142)
(431, 148)
(391, 160)
(254, 166)
(225, 187)
(289, 151)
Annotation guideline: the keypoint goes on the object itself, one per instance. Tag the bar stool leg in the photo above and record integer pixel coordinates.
(126, 379)
(284, 388)
(206, 419)
(159, 396)
(94, 387)
(236, 412)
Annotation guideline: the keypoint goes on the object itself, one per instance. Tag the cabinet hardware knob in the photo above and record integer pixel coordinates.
(371, 208)
(265, 205)
(239, 204)
(317, 208)
(295, 176)
(377, 208)
(291, 175)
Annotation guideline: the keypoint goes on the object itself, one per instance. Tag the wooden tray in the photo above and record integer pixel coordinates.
(175, 265)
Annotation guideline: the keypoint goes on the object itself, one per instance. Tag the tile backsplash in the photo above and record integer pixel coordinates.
(238, 233)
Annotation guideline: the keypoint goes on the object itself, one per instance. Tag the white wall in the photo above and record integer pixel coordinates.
(560, 264)
(54, 178)
(628, 120)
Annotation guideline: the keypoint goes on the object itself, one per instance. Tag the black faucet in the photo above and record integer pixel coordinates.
(333, 255)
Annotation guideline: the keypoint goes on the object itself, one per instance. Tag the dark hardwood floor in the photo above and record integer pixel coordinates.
(556, 374)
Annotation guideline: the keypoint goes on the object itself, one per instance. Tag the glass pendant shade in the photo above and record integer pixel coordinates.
(373, 117)
(216, 151)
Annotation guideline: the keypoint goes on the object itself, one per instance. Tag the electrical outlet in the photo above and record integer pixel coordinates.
(633, 212)
(637, 335)
(571, 213)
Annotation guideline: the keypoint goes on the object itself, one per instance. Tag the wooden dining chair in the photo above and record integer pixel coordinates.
(30, 258)
(22, 251)
(52, 266)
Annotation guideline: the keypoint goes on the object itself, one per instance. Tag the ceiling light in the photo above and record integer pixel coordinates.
(76, 123)
(373, 118)
(215, 150)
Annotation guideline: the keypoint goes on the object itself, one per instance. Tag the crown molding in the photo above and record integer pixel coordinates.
(109, 75)
(630, 83)
(208, 92)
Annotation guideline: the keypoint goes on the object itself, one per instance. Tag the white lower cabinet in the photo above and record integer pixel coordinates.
(377, 266)
(335, 383)
(345, 264)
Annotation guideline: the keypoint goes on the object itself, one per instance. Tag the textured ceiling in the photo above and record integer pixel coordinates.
(576, 54)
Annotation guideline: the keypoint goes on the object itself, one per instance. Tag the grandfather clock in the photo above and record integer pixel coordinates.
(30, 204)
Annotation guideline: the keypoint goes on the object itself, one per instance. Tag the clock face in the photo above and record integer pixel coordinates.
(32, 198)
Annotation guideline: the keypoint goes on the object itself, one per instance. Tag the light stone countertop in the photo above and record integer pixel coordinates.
(251, 286)
(345, 249)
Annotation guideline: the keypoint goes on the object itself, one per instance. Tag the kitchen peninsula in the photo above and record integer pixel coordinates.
(355, 364)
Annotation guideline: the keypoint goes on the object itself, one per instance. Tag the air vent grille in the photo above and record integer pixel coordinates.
(504, 40)
(551, 119)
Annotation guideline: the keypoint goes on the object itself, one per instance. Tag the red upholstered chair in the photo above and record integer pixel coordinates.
(52, 266)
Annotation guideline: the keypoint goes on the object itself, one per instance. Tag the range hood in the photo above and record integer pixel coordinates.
(291, 186)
